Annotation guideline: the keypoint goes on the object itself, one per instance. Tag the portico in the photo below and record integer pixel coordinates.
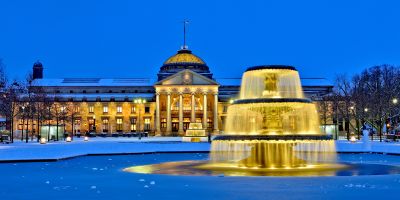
(183, 98)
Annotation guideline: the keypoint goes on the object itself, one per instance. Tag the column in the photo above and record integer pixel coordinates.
(215, 113)
(169, 123)
(158, 129)
(193, 113)
(180, 130)
(205, 110)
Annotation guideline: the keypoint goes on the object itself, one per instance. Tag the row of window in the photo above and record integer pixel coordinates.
(105, 125)
(119, 109)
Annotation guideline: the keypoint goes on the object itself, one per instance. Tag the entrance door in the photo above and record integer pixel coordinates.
(186, 122)
(175, 124)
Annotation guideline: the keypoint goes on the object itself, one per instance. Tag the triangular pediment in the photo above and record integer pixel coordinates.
(187, 77)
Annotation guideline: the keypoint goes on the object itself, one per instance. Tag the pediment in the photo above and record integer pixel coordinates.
(187, 77)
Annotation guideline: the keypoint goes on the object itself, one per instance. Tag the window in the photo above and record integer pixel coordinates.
(71, 91)
(97, 91)
(119, 124)
(77, 109)
(123, 91)
(133, 124)
(105, 109)
(62, 109)
(91, 109)
(163, 123)
(133, 109)
(146, 124)
(209, 123)
(119, 109)
(84, 91)
(225, 109)
(105, 125)
(147, 109)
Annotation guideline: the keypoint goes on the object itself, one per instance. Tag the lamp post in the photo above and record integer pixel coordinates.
(393, 114)
(94, 124)
(140, 102)
(23, 122)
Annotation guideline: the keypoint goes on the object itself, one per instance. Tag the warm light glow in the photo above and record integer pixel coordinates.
(284, 118)
(353, 139)
(68, 139)
(366, 109)
(43, 140)
(394, 101)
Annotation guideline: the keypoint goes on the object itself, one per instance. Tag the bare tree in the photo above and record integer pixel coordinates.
(368, 97)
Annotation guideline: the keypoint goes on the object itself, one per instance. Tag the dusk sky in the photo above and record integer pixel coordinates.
(125, 38)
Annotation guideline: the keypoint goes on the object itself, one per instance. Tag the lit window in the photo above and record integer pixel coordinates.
(119, 109)
(133, 109)
(62, 108)
(163, 123)
(119, 124)
(146, 124)
(105, 125)
(91, 109)
(77, 109)
(133, 124)
(105, 109)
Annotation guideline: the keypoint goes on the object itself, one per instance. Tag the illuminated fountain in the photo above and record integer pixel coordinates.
(271, 130)
(272, 125)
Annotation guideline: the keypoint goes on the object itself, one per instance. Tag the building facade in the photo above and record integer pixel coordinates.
(183, 91)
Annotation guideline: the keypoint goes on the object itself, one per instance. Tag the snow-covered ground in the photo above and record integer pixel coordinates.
(101, 177)
(61, 150)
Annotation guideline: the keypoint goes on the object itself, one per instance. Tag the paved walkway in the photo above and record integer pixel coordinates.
(20, 151)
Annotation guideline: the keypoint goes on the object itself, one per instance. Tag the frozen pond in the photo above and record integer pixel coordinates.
(101, 177)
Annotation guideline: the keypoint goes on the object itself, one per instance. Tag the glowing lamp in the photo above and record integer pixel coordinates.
(43, 140)
(86, 138)
(353, 139)
(68, 139)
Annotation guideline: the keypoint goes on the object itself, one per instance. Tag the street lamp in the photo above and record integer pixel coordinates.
(94, 123)
(23, 122)
(366, 109)
(139, 101)
(394, 101)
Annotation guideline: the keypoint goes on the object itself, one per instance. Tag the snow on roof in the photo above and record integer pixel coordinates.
(64, 82)
(310, 82)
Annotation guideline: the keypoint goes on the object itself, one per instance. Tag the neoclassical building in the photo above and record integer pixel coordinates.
(183, 91)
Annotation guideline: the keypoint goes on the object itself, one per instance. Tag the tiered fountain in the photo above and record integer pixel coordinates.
(272, 129)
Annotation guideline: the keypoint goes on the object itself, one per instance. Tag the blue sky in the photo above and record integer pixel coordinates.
(126, 38)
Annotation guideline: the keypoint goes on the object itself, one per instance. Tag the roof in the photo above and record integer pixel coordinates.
(309, 82)
(96, 82)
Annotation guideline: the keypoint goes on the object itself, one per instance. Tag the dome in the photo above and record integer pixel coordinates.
(184, 56)
(182, 60)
